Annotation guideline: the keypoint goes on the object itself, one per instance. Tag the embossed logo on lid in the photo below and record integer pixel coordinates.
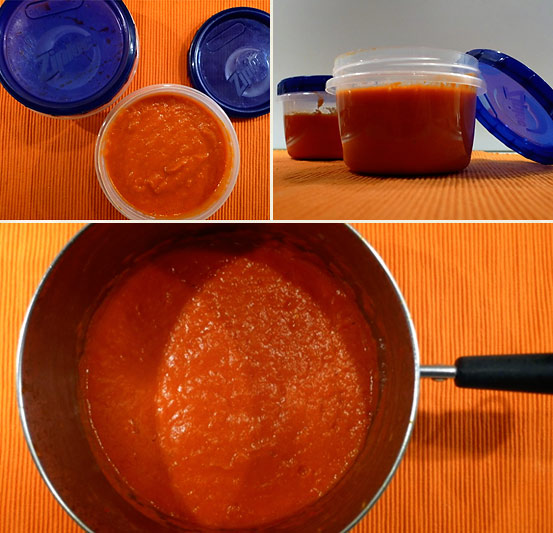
(517, 106)
(229, 60)
(66, 57)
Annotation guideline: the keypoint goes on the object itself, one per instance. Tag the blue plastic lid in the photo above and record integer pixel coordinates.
(66, 57)
(517, 106)
(302, 84)
(229, 61)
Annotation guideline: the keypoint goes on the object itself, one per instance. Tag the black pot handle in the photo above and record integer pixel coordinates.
(521, 373)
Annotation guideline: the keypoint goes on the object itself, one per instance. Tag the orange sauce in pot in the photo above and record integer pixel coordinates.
(228, 386)
(313, 136)
(168, 155)
(407, 129)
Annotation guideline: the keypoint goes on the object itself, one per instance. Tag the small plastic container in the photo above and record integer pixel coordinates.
(67, 58)
(310, 118)
(227, 182)
(406, 110)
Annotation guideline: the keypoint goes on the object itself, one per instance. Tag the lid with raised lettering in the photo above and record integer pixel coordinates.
(517, 106)
(66, 57)
(229, 61)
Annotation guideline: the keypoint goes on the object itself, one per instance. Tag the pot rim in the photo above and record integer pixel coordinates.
(19, 380)
(416, 377)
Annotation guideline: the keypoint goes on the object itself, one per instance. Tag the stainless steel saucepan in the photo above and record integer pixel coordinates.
(51, 343)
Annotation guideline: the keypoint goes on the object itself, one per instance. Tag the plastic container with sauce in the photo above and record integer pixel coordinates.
(310, 118)
(406, 110)
(67, 58)
(155, 174)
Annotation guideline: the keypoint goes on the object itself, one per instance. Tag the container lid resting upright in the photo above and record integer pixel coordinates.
(517, 106)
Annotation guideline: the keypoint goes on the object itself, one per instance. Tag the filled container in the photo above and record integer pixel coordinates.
(55, 342)
(67, 58)
(406, 110)
(167, 152)
(310, 118)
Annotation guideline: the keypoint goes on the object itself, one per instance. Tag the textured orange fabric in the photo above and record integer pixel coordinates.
(479, 461)
(47, 164)
(492, 187)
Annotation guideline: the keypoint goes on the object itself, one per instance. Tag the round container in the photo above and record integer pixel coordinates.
(67, 58)
(109, 189)
(310, 118)
(406, 110)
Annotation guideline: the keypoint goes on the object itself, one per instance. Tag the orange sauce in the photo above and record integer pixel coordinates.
(168, 155)
(407, 129)
(313, 135)
(228, 386)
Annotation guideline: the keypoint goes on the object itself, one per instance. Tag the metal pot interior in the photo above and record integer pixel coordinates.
(51, 344)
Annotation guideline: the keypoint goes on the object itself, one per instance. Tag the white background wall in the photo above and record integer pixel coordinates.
(309, 34)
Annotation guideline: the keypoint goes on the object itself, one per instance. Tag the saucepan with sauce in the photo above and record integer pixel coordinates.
(226, 376)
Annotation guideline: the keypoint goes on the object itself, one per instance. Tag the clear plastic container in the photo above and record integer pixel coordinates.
(220, 195)
(310, 118)
(406, 110)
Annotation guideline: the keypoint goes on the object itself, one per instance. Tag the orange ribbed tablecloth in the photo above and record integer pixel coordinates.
(494, 186)
(47, 164)
(478, 462)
